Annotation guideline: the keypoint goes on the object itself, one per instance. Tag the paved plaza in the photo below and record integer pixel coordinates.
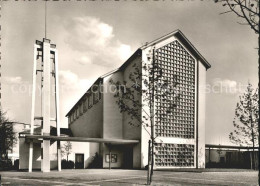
(131, 177)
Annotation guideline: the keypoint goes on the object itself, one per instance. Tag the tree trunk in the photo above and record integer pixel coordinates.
(258, 96)
(251, 165)
(67, 157)
(151, 148)
(149, 164)
(253, 156)
(252, 133)
(152, 162)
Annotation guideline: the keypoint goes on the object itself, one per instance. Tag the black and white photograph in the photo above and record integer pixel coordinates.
(129, 92)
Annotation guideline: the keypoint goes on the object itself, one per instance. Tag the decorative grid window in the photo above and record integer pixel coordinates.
(174, 155)
(177, 66)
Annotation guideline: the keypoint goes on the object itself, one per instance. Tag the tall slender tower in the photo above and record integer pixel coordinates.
(46, 54)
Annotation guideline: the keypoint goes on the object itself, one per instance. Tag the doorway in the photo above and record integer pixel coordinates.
(128, 157)
(79, 161)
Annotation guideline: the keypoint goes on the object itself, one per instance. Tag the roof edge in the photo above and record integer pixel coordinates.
(176, 33)
(105, 75)
(98, 79)
(185, 41)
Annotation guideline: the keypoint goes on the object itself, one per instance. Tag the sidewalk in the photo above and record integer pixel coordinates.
(209, 170)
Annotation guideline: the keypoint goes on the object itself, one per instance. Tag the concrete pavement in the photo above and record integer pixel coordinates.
(131, 177)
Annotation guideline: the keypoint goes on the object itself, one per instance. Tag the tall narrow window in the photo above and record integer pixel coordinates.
(84, 105)
(95, 98)
(74, 115)
(77, 111)
(81, 108)
(86, 102)
(100, 92)
(90, 101)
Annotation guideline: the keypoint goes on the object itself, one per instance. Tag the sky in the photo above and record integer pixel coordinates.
(95, 37)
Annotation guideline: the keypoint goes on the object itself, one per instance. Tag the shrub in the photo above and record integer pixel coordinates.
(5, 164)
(67, 164)
(96, 161)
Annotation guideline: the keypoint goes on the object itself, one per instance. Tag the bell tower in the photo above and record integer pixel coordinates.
(45, 57)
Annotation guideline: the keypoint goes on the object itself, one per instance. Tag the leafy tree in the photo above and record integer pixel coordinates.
(138, 94)
(66, 149)
(7, 135)
(246, 120)
(248, 11)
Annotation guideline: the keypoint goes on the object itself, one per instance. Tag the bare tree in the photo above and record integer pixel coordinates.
(66, 149)
(247, 10)
(147, 83)
(246, 121)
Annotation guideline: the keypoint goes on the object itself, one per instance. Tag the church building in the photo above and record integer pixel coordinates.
(180, 134)
(121, 141)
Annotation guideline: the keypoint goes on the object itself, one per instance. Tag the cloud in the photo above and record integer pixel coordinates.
(86, 32)
(93, 42)
(12, 80)
(84, 60)
(70, 82)
(72, 87)
(124, 51)
(225, 83)
(225, 86)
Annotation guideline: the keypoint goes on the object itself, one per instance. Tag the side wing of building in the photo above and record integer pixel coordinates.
(86, 117)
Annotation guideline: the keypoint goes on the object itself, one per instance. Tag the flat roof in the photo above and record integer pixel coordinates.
(82, 139)
(229, 146)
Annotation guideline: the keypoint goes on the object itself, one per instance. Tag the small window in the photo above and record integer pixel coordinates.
(113, 158)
